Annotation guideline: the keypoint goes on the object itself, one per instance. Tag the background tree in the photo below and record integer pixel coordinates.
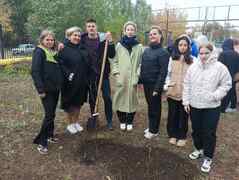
(24, 19)
(171, 21)
(142, 16)
(20, 11)
(5, 13)
(5, 21)
(109, 14)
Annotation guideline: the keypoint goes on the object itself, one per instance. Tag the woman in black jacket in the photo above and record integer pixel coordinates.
(153, 72)
(47, 77)
(74, 64)
(230, 58)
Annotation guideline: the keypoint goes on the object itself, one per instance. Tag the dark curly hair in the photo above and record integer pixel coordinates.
(176, 53)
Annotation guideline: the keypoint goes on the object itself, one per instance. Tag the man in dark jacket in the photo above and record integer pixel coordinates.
(95, 46)
(230, 58)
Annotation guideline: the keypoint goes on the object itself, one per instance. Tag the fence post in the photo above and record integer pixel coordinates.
(1, 43)
(167, 24)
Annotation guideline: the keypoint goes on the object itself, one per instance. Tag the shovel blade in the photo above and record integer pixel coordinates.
(92, 123)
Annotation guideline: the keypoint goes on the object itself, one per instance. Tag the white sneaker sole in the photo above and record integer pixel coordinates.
(205, 170)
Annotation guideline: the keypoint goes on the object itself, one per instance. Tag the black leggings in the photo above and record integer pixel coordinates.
(204, 126)
(125, 117)
(47, 129)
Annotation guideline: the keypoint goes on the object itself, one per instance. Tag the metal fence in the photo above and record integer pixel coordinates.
(14, 55)
(10, 53)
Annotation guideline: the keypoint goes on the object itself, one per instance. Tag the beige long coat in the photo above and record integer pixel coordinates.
(126, 69)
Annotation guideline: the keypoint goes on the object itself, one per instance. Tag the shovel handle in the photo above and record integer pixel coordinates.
(101, 77)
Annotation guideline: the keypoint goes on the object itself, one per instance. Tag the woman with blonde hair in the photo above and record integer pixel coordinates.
(75, 66)
(125, 69)
(47, 78)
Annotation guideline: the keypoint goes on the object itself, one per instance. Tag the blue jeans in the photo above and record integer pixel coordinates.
(106, 93)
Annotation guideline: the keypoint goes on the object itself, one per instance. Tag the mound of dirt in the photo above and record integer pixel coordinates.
(125, 162)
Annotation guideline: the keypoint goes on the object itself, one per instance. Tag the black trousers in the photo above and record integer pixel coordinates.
(154, 108)
(230, 98)
(177, 125)
(125, 117)
(47, 129)
(204, 126)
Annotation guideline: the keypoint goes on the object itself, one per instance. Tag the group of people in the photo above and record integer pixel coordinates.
(194, 86)
(70, 69)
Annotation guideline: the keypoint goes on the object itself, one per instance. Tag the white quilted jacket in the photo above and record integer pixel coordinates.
(206, 84)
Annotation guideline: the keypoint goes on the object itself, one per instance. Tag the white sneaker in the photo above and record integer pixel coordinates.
(231, 110)
(206, 166)
(150, 135)
(146, 130)
(122, 126)
(196, 154)
(71, 128)
(173, 141)
(78, 127)
(129, 127)
(181, 142)
(42, 149)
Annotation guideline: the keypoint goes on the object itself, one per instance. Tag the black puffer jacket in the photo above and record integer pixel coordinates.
(74, 59)
(47, 76)
(154, 67)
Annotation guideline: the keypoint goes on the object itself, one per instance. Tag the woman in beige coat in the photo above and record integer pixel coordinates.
(181, 59)
(125, 69)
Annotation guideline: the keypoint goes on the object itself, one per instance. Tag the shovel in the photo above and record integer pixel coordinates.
(92, 122)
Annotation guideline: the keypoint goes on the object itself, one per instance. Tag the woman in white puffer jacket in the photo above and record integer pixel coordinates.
(206, 82)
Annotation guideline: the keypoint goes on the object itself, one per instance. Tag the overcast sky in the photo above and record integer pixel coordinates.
(159, 4)
(219, 13)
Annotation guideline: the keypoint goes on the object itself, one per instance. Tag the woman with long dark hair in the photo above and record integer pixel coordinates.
(181, 59)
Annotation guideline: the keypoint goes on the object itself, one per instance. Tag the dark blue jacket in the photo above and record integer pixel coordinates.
(229, 57)
(154, 67)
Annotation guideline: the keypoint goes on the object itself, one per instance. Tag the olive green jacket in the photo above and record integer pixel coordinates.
(125, 68)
